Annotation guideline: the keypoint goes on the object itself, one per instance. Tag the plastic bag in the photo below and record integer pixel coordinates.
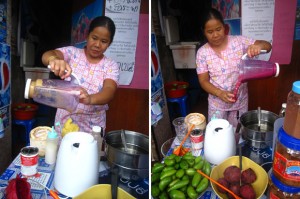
(18, 188)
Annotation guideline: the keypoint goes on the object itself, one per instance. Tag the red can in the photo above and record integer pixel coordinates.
(29, 160)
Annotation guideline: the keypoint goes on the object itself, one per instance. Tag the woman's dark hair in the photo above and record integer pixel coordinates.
(103, 21)
(212, 13)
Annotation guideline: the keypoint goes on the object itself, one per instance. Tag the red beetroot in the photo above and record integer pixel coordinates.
(235, 188)
(232, 174)
(248, 176)
(247, 192)
(223, 182)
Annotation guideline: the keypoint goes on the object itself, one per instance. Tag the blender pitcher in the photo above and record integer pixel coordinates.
(251, 69)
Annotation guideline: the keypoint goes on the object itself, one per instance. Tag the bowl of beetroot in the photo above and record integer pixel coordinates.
(249, 183)
(24, 111)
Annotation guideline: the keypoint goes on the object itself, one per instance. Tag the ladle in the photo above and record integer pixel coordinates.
(124, 140)
(220, 185)
(259, 118)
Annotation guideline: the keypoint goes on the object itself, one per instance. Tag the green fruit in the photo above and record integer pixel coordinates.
(155, 190)
(164, 183)
(202, 185)
(179, 185)
(155, 177)
(176, 194)
(157, 168)
(196, 179)
(167, 173)
(191, 192)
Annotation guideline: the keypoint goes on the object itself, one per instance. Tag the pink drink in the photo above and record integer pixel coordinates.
(54, 93)
(255, 69)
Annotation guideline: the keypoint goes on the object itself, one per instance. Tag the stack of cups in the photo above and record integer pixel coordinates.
(197, 134)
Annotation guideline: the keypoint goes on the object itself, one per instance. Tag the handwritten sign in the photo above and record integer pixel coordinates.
(257, 21)
(123, 6)
(125, 14)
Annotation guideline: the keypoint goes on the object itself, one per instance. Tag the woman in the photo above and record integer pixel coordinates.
(217, 67)
(98, 74)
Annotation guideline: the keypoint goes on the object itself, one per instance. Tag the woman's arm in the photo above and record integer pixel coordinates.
(105, 96)
(211, 89)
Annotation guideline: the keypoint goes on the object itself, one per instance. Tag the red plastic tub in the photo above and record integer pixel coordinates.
(176, 89)
(24, 111)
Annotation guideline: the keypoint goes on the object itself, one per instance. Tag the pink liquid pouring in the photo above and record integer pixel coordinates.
(255, 69)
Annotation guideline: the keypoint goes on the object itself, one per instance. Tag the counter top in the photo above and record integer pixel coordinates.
(138, 189)
(262, 157)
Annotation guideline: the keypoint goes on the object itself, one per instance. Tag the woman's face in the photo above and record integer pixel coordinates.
(97, 42)
(214, 32)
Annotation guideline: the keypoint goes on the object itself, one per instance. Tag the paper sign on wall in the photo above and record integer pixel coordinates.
(122, 50)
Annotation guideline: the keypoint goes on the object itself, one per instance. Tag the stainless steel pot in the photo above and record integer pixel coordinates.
(133, 163)
(258, 134)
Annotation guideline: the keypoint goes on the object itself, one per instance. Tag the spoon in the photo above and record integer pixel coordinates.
(220, 185)
(258, 116)
(124, 139)
(178, 149)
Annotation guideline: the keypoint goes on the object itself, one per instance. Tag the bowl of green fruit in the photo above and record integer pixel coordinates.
(24, 111)
(176, 89)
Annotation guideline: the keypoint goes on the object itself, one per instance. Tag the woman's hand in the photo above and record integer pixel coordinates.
(60, 68)
(84, 97)
(54, 60)
(253, 50)
(226, 96)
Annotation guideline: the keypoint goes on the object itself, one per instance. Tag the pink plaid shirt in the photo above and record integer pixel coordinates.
(224, 70)
(91, 77)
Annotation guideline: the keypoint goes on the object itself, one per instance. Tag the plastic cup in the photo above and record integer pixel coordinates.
(180, 128)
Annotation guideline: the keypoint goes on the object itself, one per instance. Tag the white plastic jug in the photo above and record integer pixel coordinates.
(77, 166)
(219, 141)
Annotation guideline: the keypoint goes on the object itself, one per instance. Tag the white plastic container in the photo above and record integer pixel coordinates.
(54, 93)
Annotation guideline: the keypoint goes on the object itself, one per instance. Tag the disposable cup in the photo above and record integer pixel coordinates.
(180, 127)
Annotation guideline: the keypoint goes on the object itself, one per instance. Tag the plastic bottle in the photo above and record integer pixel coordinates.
(97, 133)
(291, 123)
(251, 69)
(51, 147)
(53, 92)
(282, 110)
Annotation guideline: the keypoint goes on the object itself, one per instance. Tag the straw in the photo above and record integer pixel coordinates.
(177, 150)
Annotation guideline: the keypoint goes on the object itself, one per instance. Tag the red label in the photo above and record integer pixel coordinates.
(29, 161)
(287, 169)
(197, 139)
(273, 196)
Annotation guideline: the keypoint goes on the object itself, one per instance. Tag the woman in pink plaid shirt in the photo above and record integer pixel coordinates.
(98, 74)
(217, 67)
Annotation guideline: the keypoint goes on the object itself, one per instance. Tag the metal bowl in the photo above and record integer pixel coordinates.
(258, 137)
(131, 164)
